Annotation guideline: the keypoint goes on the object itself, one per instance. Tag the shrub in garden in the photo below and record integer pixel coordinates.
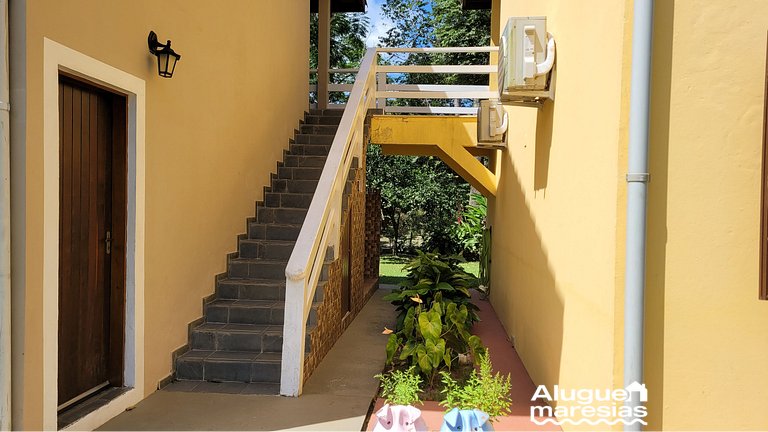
(400, 387)
(435, 316)
(431, 273)
(471, 225)
(482, 390)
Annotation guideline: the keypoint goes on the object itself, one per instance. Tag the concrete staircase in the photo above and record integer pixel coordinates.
(240, 338)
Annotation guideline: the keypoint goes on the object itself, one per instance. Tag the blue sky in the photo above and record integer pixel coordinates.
(379, 23)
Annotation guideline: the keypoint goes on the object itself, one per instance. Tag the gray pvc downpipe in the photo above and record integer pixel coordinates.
(637, 190)
(5, 226)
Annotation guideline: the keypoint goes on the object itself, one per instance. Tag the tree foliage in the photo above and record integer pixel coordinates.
(437, 23)
(348, 34)
(421, 196)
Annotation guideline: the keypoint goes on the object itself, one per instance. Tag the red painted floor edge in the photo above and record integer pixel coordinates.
(506, 361)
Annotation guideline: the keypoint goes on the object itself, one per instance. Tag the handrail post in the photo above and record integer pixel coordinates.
(335, 221)
(381, 85)
(323, 51)
(294, 334)
(360, 145)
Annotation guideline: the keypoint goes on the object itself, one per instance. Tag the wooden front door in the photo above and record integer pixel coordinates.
(92, 220)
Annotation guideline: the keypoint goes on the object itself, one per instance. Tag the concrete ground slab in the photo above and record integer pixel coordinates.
(336, 397)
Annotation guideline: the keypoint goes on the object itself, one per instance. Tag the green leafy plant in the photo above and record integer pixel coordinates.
(436, 316)
(429, 274)
(432, 338)
(483, 390)
(471, 225)
(400, 387)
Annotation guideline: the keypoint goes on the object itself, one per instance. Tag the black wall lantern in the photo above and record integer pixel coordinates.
(166, 57)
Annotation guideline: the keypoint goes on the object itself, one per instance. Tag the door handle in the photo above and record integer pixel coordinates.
(108, 242)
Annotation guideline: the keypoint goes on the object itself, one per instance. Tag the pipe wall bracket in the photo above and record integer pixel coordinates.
(638, 178)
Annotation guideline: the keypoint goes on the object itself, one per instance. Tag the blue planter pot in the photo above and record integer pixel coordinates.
(465, 421)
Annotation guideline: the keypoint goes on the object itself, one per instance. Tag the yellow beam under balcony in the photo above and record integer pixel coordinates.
(451, 138)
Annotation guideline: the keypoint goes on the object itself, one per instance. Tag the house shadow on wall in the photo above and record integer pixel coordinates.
(517, 243)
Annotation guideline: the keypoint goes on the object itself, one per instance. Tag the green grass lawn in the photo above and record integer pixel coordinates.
(391, 269)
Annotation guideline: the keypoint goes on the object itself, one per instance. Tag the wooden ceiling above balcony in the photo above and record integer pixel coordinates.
(475, 4)
(341, 6)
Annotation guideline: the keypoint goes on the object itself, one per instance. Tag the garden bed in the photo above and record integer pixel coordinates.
(506, 361)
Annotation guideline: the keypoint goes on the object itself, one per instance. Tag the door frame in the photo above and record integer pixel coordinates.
(58, 58)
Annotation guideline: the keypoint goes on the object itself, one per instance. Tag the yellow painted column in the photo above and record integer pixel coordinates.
(323, 51)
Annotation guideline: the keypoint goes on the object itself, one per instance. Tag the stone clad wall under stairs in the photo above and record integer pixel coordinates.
(332, 321)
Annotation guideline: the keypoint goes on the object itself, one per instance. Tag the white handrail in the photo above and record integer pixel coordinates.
(439, 50)
(451, 69)
(322, 224)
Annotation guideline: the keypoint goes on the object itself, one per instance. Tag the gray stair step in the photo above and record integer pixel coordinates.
(226, 311)
(322, 119)
(304, 161)
(318, 129)
(313, 139)
(310, 149)
(299, 173)
(286, 199)
(258, 230)
(293, 186)
(326, 112)
(265, 312)
(247, 268)
(228, 366)
(267, 249)
(255, 268)
(281, 215)
(252, 338)
(259, 289)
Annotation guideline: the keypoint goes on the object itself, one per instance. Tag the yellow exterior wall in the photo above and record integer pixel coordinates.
(706, 326)
(214, 132)
(556, 217)
(559, 214)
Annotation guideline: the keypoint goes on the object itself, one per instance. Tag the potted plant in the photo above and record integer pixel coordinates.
(400, 391)
(478, 402)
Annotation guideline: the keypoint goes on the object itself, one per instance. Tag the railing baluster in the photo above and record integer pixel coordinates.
(381, 103)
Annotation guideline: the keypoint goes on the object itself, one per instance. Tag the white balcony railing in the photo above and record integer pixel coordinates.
(322, 226)
(390, 92)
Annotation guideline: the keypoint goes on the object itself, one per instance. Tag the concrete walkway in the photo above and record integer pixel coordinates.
(336, 397)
